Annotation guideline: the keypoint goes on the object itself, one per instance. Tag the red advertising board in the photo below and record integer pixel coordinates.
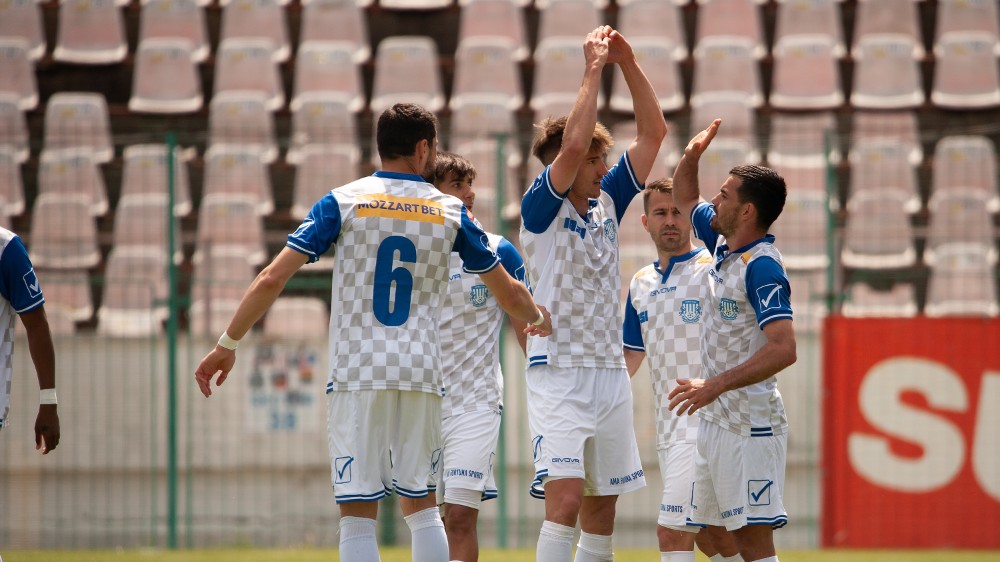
(911, 433)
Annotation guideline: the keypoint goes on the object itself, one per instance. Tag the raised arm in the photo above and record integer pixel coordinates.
(686, 193)
(650, 125)
(583, 116)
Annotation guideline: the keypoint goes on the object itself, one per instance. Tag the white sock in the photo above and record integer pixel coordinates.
(720, 558)
(430, 544)
(768, 559)
(357, 539)
(555, 543)
(678, 556)
(594, 548)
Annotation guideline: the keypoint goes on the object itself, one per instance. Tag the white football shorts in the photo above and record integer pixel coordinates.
(581, 426)
(738, 480)
(677, 471)
(470, 444)
(383, 440)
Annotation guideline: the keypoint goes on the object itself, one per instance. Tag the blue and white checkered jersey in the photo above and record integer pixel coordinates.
(392, 237)
(663, 319)
(21, 293)
(574, 271)
(470, 326)
(746, 279)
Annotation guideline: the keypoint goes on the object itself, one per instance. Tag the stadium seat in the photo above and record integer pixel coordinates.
(885, 74)
(141, 224)
(321, 169)
(90, 32)
(959, 219)
(341, 21)
(725, 67)
(23, 19)
(966, 74)
(165, 79)
(805, 178)
(554, 104)
(800, 140)
(897, 126)
(738, 119)
(229, 222)
(962, 283)
(865, 301)
(178, 20)
(656, 56)
(322, 119)
(18, 73)
(63, 232)
(11, 184)
(414, 4)
(965, 163)
(882, 165)
(217, 286)
(483, 155)
(653, 19)
(801, 230)
(810, 17)
(238, 170)
(563, 19)
(501, 20)
(328, 68)
(805, 74)
(297, 318)
(485, 118)
(968, 15)
(720, 157)
(878, 234)
(207, 318)
(407, 70)
(485, 67)
(261, 20)
(558, 73)
(135, 292)
(897, 18)
(145, 172)
(247, 64)
(241, 119)
(666, 159)
(73, 172)
(732, 21)
(79, 120)
(13, 127)
(67, 290)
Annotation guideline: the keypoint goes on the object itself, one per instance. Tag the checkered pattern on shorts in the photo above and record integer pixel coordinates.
(366, 354)
(731, 337)
(674, 309)
(470, 336)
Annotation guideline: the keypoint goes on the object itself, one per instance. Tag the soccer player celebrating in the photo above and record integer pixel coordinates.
(579, 400)
(393, 236)
(663, 320)
(746, 341)
(473, 384)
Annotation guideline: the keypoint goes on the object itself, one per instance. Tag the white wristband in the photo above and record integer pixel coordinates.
(541, 318)
(47, 396)
(228, 342)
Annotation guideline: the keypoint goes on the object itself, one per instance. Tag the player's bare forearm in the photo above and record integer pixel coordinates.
(777, 354)
(515, 299)
(633, 360)
(264, 290)
(650, 125)
(686, 191)
(43, 357)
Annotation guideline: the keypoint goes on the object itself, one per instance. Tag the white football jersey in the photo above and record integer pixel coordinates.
(747, 289)
(21, 293)
(663, 319)
(392, 236)
(471, 320)
(573, 267)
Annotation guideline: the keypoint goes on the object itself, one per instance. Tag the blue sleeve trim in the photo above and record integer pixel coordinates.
(631, 329)
(541, 204)
(634, 347)
(701, 219)
(319, 230)
(31, 307)
(511, 260)
(299, 249)
(473, 247)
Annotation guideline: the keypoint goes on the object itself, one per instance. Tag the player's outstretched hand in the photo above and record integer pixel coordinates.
(219, 360)
(619, 50)
(597, 45)
(690, 395)
(46, 428)
(696, 147)
(543, 329)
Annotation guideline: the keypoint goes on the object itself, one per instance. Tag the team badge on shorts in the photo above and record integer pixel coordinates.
(690, 311)
(478, 295)
(609, 230)
(728, 309)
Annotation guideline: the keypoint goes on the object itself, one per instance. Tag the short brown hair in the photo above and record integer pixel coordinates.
(401, 127)
(451, 162)
(662, 185)
(549, 136)
(763, 187)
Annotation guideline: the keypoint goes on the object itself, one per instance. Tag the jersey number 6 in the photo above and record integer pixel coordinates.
(388, 310)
